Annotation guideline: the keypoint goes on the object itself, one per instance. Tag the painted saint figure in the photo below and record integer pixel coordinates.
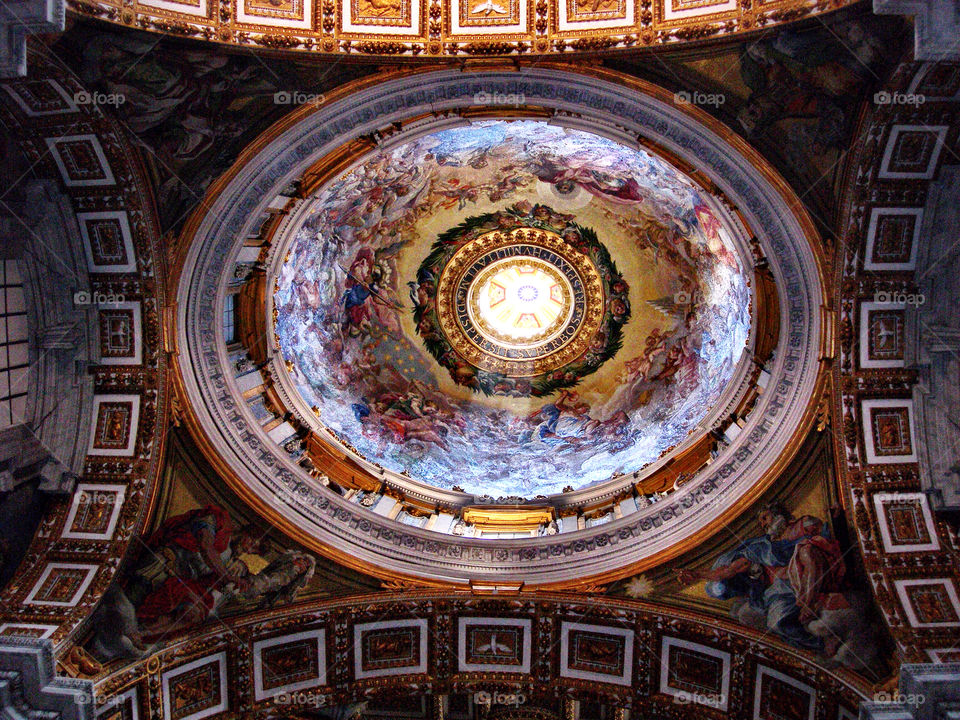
(194, 565)
(191, 557)
(788, 576)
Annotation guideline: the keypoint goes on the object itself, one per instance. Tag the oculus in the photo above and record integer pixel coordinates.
(522, 302)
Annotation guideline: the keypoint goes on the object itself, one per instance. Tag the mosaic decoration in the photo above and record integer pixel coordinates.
(340, 522)
(390, 648)
(780, 697)
(196, 565)
(695, 673)
(81, 160)
(596, 652)
(516, 315)
(367, 314)
(494, 645)
(289, 663)
(912, 152)
(906, 522)
(791, 579)
(888, 432)
(202, 564)
(197, 689)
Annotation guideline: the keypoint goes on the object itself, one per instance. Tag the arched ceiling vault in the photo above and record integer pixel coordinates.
(640, 669)
(890, 393)
(86, 154)
(871, 410)
(433, 29)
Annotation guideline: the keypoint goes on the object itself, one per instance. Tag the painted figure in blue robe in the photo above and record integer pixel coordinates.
(789, 575)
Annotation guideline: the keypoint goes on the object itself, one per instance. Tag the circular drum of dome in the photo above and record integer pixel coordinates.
(622, 109)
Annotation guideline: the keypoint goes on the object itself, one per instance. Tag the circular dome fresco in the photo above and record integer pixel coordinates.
(511, 307)
(517, 302)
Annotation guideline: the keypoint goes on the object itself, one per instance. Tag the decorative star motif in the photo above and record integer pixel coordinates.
(639, 586)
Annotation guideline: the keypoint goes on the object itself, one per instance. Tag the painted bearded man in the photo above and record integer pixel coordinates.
(191, 558)
(784, 578)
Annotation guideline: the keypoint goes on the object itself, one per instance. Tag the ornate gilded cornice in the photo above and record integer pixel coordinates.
(465, 29)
